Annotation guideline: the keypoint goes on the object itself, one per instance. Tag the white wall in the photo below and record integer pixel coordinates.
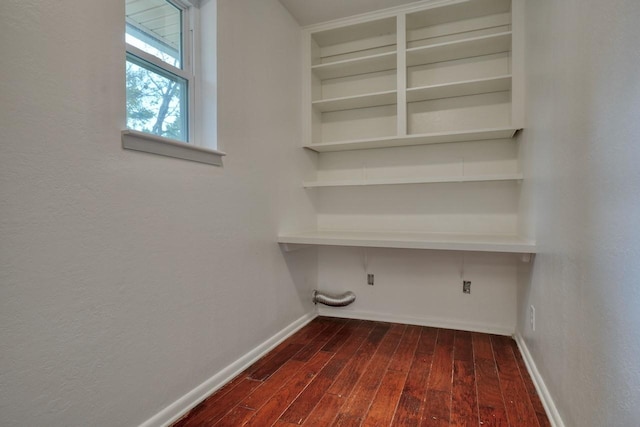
(423, 287)
(581, 192)
(127, 279)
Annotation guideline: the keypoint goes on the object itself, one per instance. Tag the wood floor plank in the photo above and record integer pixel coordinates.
(216, 409)
(309, 398)
(409, 410)
(442, 370)
(349, 376)
(403, 356)
(306, 334)
(319, 341)
(462, 346)
(306, 402)
(274, 363)
(263, 393)
(353, 343)
(384, 403)
(427, 343)
(437, 410)
(236, 417)
(481, 346)
(300, 338)
(493, 417)
(279, 402)
(541, 414)
(202, 406)
(325, 411)
(517, 403)
(464, 404)
(350, 328)
(491, 409)
(355, 408)
(488, 385)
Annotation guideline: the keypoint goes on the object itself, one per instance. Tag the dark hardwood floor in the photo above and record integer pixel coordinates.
(338, 372)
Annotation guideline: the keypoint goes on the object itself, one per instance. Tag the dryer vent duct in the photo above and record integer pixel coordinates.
(333, 300)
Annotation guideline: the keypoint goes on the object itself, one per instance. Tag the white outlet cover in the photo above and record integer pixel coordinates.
(532, 317)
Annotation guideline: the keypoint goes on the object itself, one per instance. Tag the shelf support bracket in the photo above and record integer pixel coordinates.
(526, 258)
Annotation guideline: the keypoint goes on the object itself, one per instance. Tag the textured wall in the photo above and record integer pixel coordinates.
(127, 279)
(581, 156)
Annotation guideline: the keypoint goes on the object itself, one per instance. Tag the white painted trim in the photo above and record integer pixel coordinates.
(538, 382)
(401, 77)
(181, 406)
(148, 143)
(420, 321)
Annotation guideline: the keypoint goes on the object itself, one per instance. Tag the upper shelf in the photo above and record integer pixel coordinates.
(436, 241)
(463, 88)
(352, 67)
(357, 101)
(449, 51)
(422, 139)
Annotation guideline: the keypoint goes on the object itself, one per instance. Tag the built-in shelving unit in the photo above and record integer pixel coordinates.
(434, 73)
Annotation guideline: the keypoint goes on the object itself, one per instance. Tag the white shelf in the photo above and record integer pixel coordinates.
(425, 180)
(467, 48)
(434, 241)
(357, 101)
(463, 88)
(352, 67)
(422, 139)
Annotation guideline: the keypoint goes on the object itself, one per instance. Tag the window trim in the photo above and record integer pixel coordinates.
(163, 146)
(193, 149)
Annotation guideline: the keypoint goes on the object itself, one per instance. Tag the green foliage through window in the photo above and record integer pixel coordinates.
(156, 101)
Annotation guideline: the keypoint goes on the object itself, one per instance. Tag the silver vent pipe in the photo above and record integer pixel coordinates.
(333, 300)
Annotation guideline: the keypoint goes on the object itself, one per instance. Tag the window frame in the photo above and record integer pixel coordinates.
(193, 148)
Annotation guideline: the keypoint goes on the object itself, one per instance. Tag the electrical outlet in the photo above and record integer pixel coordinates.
(466, 286)
(532, 317)
(370, 279)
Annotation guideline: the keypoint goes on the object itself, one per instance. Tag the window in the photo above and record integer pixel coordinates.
(161, 40)
(158, 71)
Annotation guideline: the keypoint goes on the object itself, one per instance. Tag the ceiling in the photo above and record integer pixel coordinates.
(308, 12)
(157, 18)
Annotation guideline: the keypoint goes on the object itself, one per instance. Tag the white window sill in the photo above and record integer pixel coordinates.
(148, 143)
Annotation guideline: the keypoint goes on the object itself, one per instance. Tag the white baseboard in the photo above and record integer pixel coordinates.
(181, 406)
(541, 388)
(421, 321)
